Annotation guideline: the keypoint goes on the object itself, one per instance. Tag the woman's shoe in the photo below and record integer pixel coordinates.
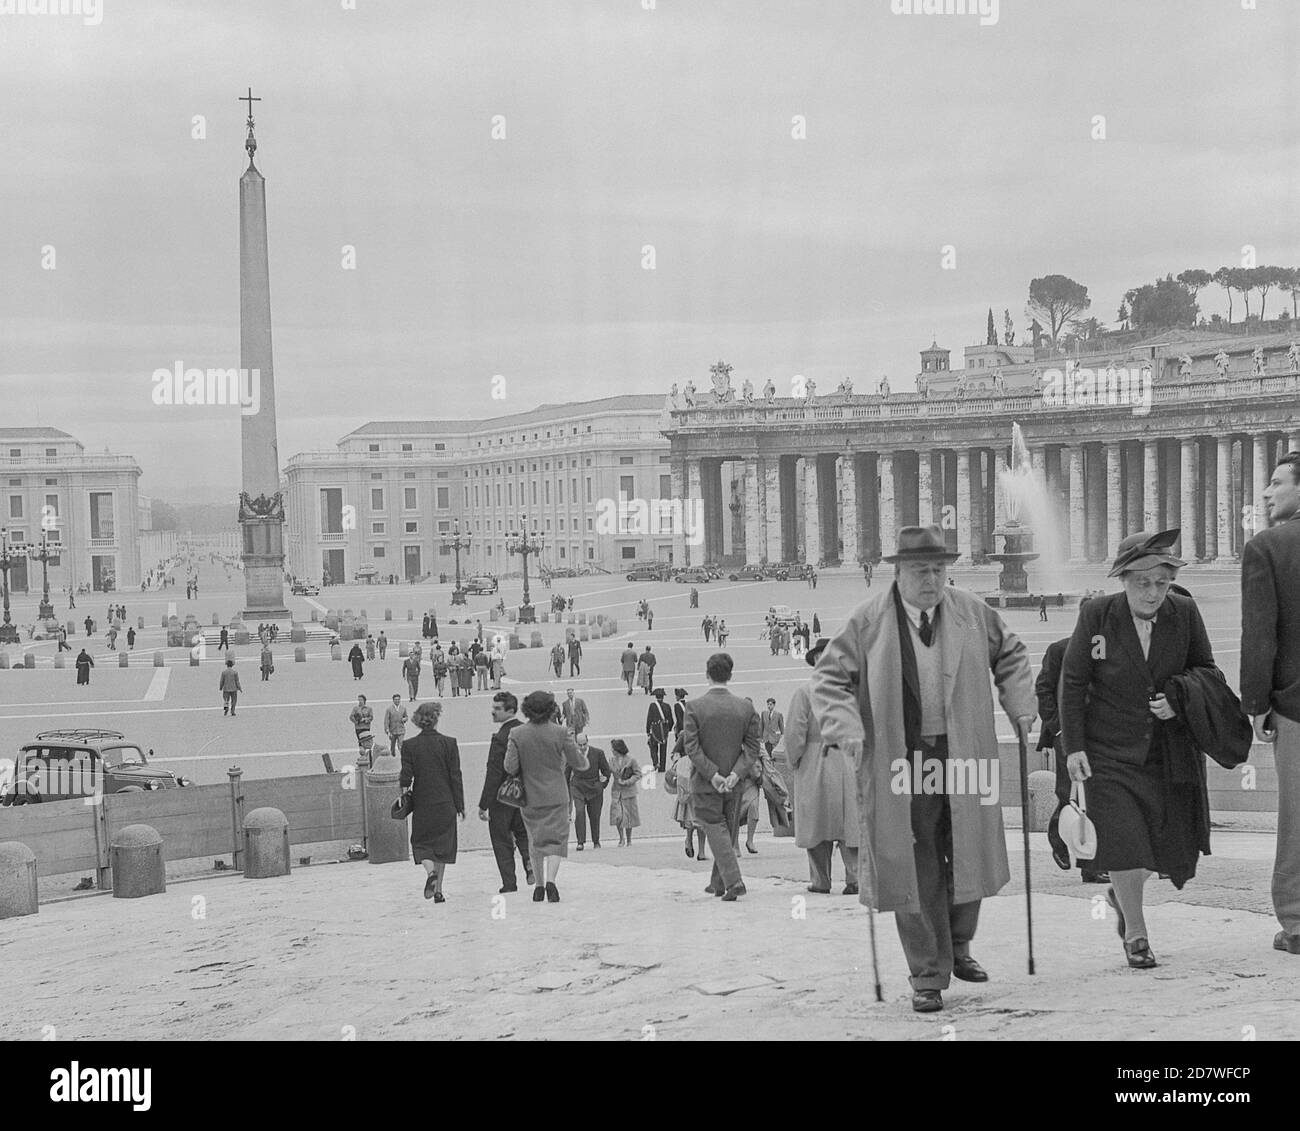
(1139, 955)
(552, 893)
(690, 851)
(1119, 915)
(750, 848)
(438, 897)
(539, 894)
(429, 885)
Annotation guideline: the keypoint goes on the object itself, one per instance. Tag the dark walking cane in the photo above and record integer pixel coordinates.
(1024, 827)
(875, 962)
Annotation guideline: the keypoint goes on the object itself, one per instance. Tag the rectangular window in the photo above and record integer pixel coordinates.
(628, 552)
(51, 483)
(52, 513)
(534, 493)
(439, 447)
(331, 510)
(444, 527)
(444, 498)
(379, 528)
(573, 483)
(372, 447)
(510, 494)
(408, 498)
(546, 490)
(15, 506)
(561, 524)
(562, 548)
(376, 475)
(588, 488)
(376, 551)
(559, 486)
(50, 453)
(412, 527)
(408, 474)
(101, 515)
(498, 486)
(408, 447)
(625, 460)
(625, 487)
(376, 498)
(15, 453)
(589, 525)
(17, 536)
(476, 502)
(665, 486)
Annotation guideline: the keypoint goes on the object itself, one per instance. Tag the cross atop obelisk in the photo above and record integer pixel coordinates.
(261, 506)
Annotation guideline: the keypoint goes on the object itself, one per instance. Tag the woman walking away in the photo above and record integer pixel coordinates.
(354, 658)
(623, 814)
(538, 752)
(431, 767)
(1146, 795)
(684, 811)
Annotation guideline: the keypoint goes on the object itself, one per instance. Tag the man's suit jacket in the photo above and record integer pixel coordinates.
(1046, 687)
(1103, 702)
(628, 660)
(1270, 621)
(721, 733)
(575, 714)
(496, 763)
(591, 780)
(773, 726)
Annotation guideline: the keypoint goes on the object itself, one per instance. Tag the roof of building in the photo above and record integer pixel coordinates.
(34, 434)
(627, 402)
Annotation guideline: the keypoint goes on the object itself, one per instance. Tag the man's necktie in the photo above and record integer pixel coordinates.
(927, 629)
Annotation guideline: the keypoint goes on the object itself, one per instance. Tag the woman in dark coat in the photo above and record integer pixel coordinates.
(538, 751)
(354, 658)
(1146, 791)
(432, 762)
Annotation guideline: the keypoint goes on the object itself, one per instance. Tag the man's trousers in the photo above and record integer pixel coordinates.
(719, 815)
(584, 808)
(1286, 866)
(507, 832)
(819, 863)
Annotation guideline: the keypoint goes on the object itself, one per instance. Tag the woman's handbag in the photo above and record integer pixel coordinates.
(402, 806)
(511, 792)
(670, 779)
(1078, 832)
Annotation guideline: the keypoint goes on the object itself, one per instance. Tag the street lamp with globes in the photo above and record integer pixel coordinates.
(457, 542)
(525, 545)
(9, 556)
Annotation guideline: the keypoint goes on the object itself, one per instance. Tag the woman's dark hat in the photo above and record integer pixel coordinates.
(814, 653)
(1145, 550)
(921, 544)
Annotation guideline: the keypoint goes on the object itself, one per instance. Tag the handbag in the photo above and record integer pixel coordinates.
(511, 792)
(670, 779)
(1078, 832)
(402, 806)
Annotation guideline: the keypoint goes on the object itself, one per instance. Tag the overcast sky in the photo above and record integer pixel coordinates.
(624, 127)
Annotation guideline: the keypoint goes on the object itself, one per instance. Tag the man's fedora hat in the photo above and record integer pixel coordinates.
(814, 653)
(1145, 550)
(921, 543)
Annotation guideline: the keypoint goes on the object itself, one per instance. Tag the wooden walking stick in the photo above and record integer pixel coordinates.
(875, 962)
(1024, 828)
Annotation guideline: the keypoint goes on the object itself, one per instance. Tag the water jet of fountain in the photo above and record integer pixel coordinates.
(1031, 521)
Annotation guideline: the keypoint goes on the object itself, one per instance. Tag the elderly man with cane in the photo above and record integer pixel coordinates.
(903, 691)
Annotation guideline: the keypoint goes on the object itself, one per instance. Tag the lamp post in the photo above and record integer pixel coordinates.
(457, 541)
(43, 555)
(8, 557)
(524, 545)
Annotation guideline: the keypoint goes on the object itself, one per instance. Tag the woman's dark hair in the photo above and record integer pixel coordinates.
(618, 746)
(427, 714)
(539, 706)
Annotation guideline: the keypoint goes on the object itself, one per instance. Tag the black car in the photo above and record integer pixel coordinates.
(64, 764)
(749, 573)
(657, 572)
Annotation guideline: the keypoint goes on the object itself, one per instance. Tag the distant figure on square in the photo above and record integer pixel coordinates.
(84, 663)
(355, 658)
(395, 725)
(658, 729)
(411, 669)
(267, 663)
(574, 713)
(628, 664)
(229, 687)
(575, 657)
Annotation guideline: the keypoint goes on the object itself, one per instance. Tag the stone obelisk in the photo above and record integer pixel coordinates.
(261, 505)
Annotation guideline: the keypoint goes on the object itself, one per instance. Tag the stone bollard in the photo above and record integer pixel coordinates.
(512, 615)
(403, 649)
(1042, 800)
(573, 619)
(29, 659)
(546, 616)
(139, 623)
(410, 614)
(194, 660)
(17, 880)
(4, 660)
(158, 660)
(515, 642)
(582, 618)
(388, 614)
(216, 620)
(60, 661)
(494, 614)
(137, 860)
(164, 624)
(362, 615)
(315, 616)
(266, 844)
(584, 633)
(336, 651)
(300, 654)
(298, 634)
(535, 640)
(123, 659)
(386, 840)
(71, 626)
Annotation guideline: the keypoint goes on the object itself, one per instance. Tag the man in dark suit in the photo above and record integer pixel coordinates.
(1049, 738)
(658, 726)
(575, 714)
(1270, 674)
(505, 823)
(679, 710)
(721, 736)
(587, 791)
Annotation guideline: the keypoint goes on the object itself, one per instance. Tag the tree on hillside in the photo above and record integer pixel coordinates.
(990, 335)
(1227, 279)
(1195, 280)
(1087, 329)
(163, 515)
(1008, 329)
(1122, 315)
(1266, 278)
(1291, 284)
(1161, 305)
(1056, 299)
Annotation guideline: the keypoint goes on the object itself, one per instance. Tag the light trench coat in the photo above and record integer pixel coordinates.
(825, 786)
(857, 694)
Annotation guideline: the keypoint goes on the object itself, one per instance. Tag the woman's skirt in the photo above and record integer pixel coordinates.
(1142, 820)
(433, 834)
(548, 829)
(623, 811)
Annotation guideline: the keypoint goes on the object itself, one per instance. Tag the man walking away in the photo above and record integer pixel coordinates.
(382, 644)
(505, 823)
(628, 661)
(721, 740)
(1270, 674)
(230, 689)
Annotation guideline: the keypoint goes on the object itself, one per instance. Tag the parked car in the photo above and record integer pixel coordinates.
(713, 569)
(653, 571)
(796, 571)
(482, 583)
(693, 575)
(302, 588)
(749, 573)
(366, 573)
(60, 765)
(783, 614)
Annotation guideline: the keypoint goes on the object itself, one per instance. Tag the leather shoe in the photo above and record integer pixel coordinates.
(504, 891)
(539, 894)
(927, 1001)
(968, 970)
(819, 891)
(1091, 877)
(1139, 955)
(850, 889)
(712, 890)
(1289, 943)
(429, 885)
(733, 893)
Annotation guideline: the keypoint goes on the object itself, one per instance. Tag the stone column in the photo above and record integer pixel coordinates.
(753, 523)
(1259, 481)
(963, 502)
(1078, 492)
(1224, 477)
(888, 526)
(999, 493)
(978, 522)
(1114, 501)
(1151, 485)
(812, 512)
(925, 487)
(694, 517)
(772, 494)
(848, 476)
(678, 474)
(800, 506)
(1210, 489)
(1173, 489)
(1293, 444)
(1187, 500)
